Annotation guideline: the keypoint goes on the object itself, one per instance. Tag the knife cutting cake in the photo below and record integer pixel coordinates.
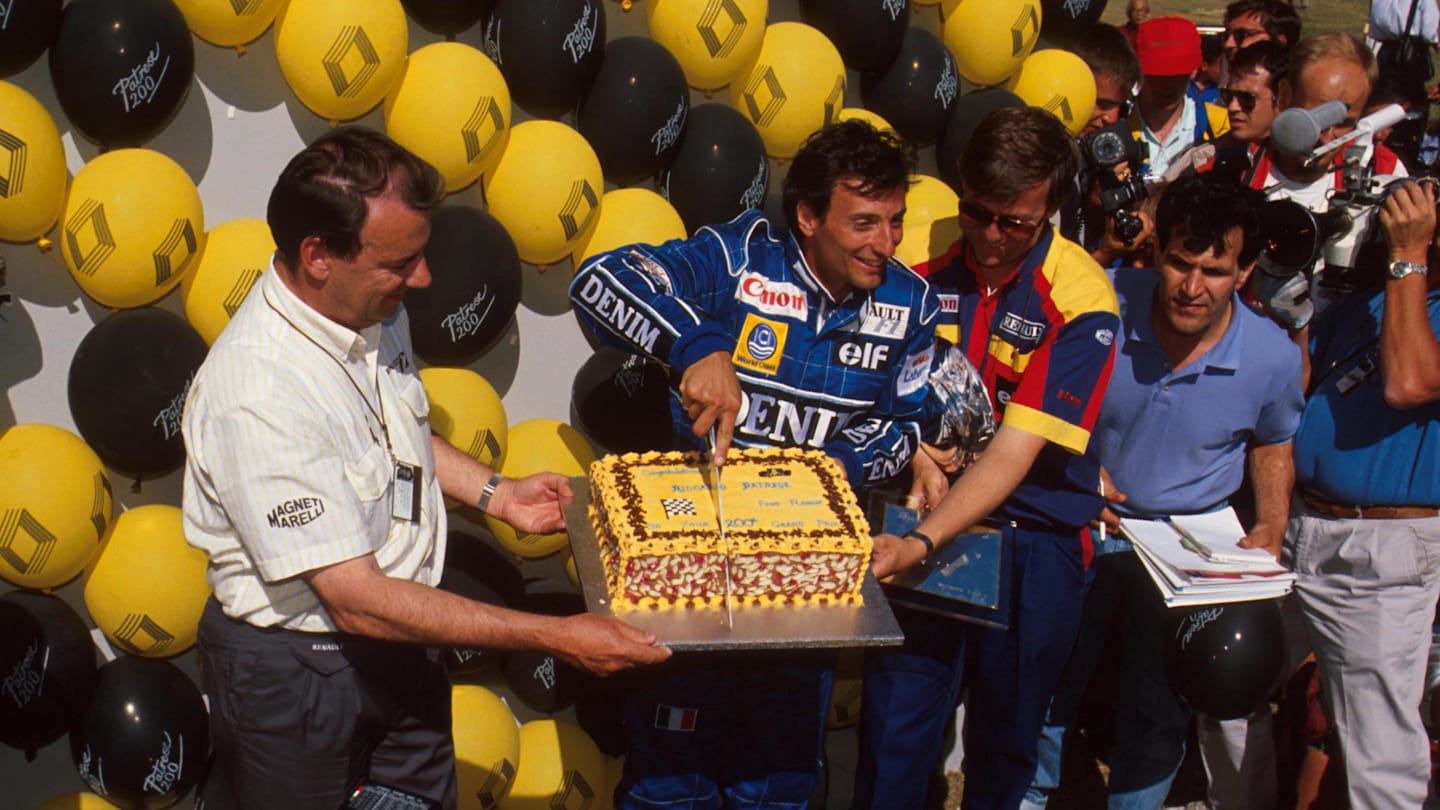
(794, 530)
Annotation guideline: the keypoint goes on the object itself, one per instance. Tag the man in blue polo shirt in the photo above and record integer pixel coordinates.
(1365, 537)
(1201, 385)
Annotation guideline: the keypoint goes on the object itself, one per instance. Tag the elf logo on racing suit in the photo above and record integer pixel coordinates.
(884, 320)
(773, 297)
(869, 356)
(622, 316)
(761, 345)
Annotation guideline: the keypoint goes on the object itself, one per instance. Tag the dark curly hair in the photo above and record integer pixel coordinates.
(879, 161)
(1201, 209)
(325, 190)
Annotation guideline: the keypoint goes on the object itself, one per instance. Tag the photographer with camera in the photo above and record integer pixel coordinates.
(1251, 98)
(1106, 215)
(1364, 536)
(1167, 120)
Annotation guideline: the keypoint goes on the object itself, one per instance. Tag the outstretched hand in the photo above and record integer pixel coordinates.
(605, 645)
(534, 503)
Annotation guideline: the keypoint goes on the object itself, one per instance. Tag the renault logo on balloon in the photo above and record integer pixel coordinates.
(1060, 108)
(581, 194)
(764, 85)
(486, 120)
(835, 101)
(244, 280)
(1028, 21)
(142, 635)
(352, 46)
(100, 508)
(13, 180)
(734, 26)
(99, 246)
(244, 8)
(175, 252)
(25, 545)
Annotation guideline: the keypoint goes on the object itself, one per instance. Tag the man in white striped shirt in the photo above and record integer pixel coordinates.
(315, 486)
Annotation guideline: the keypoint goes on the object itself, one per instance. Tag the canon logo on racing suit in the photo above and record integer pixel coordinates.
(774, 298)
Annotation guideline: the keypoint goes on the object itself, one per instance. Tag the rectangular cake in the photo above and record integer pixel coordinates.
(794, 531)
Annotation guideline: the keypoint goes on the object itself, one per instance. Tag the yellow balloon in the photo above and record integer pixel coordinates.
(147, 587)
(32, 167)
(845, 697)
(133, 226)
(630, 215)
(451, 107)
(990, 38)
(545, 190)
(711, 40)
(487, 746)
(540, 445)
(341, 56)
(466, 411)
(236, 254)
(77, 801)
(614, 770)
(932, 221)
(560, 766)
(862, 114)
(1058, 82)
(570, 572)
(794, 86)
(55, 505)
(229, 22)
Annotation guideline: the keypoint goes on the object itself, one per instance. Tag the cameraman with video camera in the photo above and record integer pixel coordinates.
(1364, 536)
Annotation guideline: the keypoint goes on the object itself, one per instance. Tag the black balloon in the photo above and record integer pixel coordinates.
(540, 680)
(634, 113)
(548, 50)
(447, 16)
(121, 68)
(867, 33)
(621, 402)
(1225, 660)
(1062, 19)
(474, 287)
(47, 662)
(719, 170)
(917, 91)
(475, 570)
(29, 28)
(143, 740)
(969, 110)
(127, 387)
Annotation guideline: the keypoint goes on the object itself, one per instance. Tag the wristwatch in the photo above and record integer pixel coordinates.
(1403, 269)
(489, 492)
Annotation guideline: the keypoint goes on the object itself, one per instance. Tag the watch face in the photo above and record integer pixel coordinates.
(1403, 269)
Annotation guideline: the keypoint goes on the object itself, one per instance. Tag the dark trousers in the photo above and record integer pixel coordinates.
(298, 720)
(910, 694)
(1150, 721)
(749, 730)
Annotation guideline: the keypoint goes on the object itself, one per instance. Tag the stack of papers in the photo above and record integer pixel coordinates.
(1196, 560)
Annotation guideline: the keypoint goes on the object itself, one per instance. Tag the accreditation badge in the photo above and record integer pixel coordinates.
(405, 493)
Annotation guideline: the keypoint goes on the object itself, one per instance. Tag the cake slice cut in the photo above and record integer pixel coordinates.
(795, 532)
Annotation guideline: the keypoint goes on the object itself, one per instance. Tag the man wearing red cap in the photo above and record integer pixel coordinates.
(1167, 120)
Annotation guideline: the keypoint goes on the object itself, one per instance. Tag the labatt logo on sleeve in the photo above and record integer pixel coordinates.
(761, 345)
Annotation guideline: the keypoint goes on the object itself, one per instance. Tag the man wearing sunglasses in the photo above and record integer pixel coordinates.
(1038, 318)
(1251, 97)
(1250, 21)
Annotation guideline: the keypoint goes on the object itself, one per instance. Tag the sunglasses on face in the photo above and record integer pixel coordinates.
(979, 218)
(1243, 35)
(1246, 99)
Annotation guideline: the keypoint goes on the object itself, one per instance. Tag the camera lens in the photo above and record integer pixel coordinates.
(1107, 148)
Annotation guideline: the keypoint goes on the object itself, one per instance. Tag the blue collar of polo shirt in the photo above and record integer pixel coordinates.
(1224, 355)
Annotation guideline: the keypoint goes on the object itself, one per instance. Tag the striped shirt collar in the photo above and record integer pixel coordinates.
(340, 341)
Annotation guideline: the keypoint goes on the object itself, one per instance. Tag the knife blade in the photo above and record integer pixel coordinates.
(720, 519)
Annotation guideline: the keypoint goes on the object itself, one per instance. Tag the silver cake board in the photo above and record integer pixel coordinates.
(757, 627)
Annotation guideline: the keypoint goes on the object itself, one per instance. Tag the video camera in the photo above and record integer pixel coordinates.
(1345, 235)
(1102, 151)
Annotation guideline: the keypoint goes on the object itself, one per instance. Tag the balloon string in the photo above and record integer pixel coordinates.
(44, 244)
(135, 487)
(240, 50)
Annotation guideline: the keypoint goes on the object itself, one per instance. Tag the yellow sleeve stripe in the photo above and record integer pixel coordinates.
(1039, 423)
(1084, 288)
(1006, 355)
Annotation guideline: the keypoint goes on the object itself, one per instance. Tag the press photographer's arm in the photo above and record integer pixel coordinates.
(1409, 351)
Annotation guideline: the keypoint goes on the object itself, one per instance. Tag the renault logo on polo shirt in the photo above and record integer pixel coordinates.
(1019, 328)
(884, 320)
(761, 345)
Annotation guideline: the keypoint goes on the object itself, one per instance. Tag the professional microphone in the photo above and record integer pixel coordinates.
(1295, 131)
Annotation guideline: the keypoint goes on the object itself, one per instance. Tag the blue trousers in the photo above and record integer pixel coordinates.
(910, 694)
(750, 730)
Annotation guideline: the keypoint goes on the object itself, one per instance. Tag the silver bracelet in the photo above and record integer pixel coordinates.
(489, 492)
